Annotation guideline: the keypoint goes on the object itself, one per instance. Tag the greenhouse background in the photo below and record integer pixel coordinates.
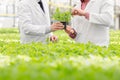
(8, 11)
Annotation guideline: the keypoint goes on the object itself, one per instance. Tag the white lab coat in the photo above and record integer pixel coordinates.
(96, 29)
(34, 24)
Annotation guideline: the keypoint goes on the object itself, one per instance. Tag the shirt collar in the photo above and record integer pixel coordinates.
(38, 0)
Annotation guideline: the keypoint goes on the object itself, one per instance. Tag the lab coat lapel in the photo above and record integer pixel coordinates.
(45, 8)
(37, 6)
(44, 5)
(89, 4)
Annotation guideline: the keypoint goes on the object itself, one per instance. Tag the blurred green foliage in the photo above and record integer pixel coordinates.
(64, 60)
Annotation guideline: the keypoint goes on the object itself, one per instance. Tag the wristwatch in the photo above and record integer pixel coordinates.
(73, 35)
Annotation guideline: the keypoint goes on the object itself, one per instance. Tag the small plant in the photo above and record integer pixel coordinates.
(63, 17)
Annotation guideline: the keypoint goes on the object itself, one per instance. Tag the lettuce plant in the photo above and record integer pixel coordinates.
(62, 16)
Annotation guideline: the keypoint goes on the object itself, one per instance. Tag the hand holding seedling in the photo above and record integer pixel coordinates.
(57, 26)
(62, 16)
(71, 32)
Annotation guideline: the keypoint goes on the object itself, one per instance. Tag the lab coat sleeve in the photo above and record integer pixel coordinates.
(51, 34)
(105, 17)
(25, 22)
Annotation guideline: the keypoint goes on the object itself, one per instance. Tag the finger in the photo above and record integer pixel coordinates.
(76, 12)
(54, 38)
(58, 23)
(72, 31)
(58, 28)
(67, 31)
(72, 12)
(68, 28)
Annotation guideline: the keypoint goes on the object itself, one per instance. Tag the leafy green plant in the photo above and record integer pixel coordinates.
(62, 16)
(64, 60)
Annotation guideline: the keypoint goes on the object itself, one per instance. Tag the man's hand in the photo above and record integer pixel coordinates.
(53, 38)
(69, 30)
(78, 12)
(57, 26)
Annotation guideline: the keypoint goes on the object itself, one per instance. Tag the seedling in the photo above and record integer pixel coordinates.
(62, 16)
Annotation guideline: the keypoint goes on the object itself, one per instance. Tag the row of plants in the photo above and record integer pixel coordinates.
(64, 60)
